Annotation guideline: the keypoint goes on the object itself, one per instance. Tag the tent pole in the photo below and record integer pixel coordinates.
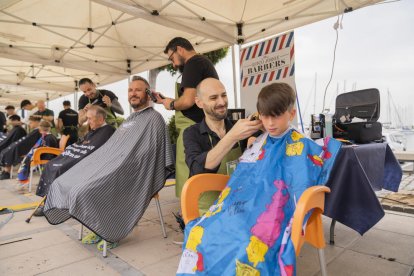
(233, 53)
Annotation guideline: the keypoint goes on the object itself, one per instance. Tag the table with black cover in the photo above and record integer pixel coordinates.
(358, 172)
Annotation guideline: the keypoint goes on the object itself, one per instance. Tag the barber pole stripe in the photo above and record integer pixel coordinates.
(248, 53)
(271, 75)
(282, 42)
(251, 80)
(242, 56)
(255, 50)
(264, 78)
(278, 74)
(261, 49)
(258, 79)
(275, 45)
(244, 82)
(285, 72)
(269, 42)
(289, 39)
(292, 51)
(292, 70)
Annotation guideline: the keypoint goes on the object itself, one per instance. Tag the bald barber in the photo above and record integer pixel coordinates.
(213, 142)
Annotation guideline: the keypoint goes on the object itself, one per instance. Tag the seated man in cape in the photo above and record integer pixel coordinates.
(109, 190)
(14, 134)
(99, 133)
(46, 140)
(14, 153)
(247, 230)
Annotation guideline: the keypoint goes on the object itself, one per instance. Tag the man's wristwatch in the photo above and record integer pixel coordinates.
(172, 105)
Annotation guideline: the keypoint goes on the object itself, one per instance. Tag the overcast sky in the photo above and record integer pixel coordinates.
(375, 50)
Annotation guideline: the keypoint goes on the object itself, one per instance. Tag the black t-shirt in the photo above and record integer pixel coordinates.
(196, 69)
(69, 117)
(46, 112)
(199, 139)
(3, 122)
(83, 100)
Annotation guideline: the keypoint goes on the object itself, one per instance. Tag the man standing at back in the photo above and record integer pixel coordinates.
(68, 123)
(194, 69)
(45, 114)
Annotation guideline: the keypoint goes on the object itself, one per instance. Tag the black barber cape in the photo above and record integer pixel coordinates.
(109, 190)
(72, 155)
(13, 154)
(13, 135)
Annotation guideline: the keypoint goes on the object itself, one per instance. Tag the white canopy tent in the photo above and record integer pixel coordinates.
(48, 45)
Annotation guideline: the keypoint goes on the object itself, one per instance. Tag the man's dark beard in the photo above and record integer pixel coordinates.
(216, 115)
(142, 103)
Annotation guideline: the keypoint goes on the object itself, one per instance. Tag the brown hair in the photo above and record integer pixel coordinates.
(45, 126)
(34, 119)
(275, 99)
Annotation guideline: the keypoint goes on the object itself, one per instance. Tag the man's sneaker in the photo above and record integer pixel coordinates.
(179, 238)
(39, 212)
(4, 175)
(109, 245)
(91, 238)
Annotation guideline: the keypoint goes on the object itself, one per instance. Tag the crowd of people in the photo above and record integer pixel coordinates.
(106, 178)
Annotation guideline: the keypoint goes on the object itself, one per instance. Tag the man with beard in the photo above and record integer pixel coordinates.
(104, 98)
(209, 145)
(194, 69)
(109, 190)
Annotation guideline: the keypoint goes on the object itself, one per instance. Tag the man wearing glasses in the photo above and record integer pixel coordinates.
(194, 69)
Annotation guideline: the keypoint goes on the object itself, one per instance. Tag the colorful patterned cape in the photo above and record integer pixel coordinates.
(246, 231)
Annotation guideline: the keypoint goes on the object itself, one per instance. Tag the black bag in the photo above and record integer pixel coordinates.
(362, 104)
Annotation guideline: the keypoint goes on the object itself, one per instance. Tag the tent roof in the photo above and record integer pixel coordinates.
(48, 45)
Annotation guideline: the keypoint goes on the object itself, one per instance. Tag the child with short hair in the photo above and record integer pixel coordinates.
(46, 140)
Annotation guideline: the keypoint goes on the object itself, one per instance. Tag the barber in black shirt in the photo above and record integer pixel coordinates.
(68, 123)
(194, 69)
(209, 145)
(104, 98)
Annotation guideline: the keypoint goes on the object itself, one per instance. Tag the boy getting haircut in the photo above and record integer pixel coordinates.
(275, 99)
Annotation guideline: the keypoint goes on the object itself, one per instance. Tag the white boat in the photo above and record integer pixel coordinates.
(395, 140)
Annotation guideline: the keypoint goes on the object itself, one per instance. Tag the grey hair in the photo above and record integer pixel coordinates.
(100, 112)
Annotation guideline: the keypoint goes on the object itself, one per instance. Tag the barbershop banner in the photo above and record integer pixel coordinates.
(269, 61)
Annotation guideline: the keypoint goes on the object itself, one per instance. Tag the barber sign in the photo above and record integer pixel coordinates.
(263, 63)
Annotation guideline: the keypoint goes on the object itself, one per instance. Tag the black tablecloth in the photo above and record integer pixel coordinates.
(358, 172)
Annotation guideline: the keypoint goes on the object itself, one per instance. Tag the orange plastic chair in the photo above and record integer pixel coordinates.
(194, 187)
(312, 198)
(37, 160)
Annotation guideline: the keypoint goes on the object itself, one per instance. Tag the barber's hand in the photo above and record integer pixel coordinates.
(107, 101)
(158, 97)
(87, 107)
(244, 128)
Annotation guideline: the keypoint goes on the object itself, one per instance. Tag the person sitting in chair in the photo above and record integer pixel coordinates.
(246, 232)
(46, 140)
(13, 154)
(16, 132)
(98, 135)
(109, 190)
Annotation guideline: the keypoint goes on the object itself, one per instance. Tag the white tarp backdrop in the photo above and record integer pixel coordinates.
(51, 44)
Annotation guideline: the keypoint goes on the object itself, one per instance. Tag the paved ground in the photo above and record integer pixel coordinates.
(42, 249)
